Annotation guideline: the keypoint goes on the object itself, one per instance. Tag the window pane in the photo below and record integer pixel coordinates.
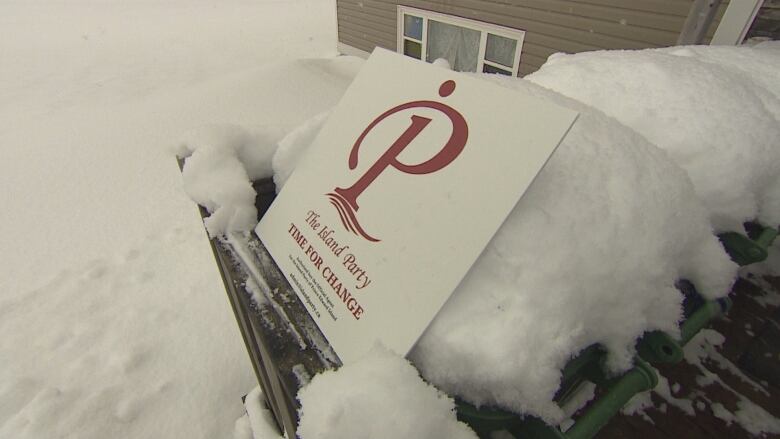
(458, 45)
(412, 48)
(500, 50)
(487, 68)
(413, 26)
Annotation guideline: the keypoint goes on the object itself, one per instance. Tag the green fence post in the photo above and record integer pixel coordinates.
(767, 237)
(710, 310)
(659, 347)
(639, 379)
(745, 251)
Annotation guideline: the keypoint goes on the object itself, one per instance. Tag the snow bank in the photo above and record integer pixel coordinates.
(222, 161)
(380, 396)
(710, 108)
(589, 255)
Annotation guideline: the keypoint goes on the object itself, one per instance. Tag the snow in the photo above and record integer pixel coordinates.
(710, 108)
(443, 63)
(703, 346)
(114, 318)
(258, 422)
(664, 391)
(113, 314)
(576, 402)
(381, 387)
(107, 348)
(754, 419)
(753, 64)
(638, 405)
(215, 176)
(292, 147)
(621, 223)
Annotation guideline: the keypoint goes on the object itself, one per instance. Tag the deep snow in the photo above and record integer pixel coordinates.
(714, 110)
(113, 315)
(114, 319)
(380, 396)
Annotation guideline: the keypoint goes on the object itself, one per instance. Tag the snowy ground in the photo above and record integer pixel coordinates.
(113, 316)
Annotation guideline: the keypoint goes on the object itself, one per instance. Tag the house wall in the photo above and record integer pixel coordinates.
(551, 25)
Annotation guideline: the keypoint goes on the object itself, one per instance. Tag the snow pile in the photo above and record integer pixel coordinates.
(113, 315)
(223, 160)
(589, 255)
(711, 116)
(756, 65)
(221, 163)
(258, 422)
(380, 396)
(443, 63)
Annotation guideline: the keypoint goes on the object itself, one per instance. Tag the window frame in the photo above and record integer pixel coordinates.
(480, 26)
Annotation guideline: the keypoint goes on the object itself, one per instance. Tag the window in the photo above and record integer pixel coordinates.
(468, 45)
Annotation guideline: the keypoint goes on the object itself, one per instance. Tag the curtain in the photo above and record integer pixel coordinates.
(500, 50)
(458, 45)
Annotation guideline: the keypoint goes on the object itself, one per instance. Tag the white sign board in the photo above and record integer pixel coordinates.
(408, 180)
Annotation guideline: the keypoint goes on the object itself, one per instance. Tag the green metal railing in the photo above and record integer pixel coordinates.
(654, 347)
(613, 392)
(744, 250)
(616, 392)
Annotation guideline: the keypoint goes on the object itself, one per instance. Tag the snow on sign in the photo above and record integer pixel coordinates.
(408, 180)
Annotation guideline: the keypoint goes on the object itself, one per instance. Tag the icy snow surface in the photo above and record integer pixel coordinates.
(113, 317)
(589, 255)
(713, 109)
(380, 396)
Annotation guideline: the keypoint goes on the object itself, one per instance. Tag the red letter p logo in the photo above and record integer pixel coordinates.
(345, 200)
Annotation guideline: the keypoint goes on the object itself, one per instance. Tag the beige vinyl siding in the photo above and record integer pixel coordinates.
(550, 25)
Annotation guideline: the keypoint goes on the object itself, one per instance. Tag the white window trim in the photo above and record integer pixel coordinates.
(482, 27)
(736, 22)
